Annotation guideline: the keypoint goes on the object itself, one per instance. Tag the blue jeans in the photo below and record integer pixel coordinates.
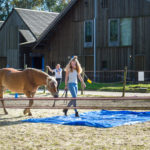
(73, 88)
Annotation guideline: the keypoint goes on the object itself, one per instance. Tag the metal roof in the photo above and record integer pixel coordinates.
(37, 21)
(27, 35)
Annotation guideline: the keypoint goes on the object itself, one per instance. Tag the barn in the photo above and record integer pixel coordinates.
(104, 34)
(22, 27)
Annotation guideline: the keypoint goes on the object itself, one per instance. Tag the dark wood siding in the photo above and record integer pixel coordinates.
(67, 38)
(9, 39)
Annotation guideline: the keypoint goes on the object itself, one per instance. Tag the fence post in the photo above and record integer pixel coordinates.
(25, 66)
(82, 88)
(124, 82)
(46, 70)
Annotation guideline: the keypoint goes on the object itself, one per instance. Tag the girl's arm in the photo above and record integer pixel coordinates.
(66, 79)
(81, 80)
(50, 69)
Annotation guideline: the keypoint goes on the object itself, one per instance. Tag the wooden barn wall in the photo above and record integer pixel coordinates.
(141, 44)
(9, 40)
(68, 39)
(139, 11)
(110, 56)
(125, 8)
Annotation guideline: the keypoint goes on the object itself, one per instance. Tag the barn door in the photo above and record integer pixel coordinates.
(139, 63)
(3, 62)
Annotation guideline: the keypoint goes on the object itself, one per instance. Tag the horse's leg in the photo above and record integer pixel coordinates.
(1, 96)
(30, 104)
(27, 110)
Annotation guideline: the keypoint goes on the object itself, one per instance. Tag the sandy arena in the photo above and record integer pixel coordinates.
(16, 135)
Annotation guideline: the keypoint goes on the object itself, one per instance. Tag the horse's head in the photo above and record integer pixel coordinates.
(52, 86)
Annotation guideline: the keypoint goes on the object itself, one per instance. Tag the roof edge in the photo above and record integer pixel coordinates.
(36, 10)
(7, 19)
(55, 21)
(25, 23)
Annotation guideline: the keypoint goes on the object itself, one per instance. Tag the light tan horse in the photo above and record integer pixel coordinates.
(27, 82)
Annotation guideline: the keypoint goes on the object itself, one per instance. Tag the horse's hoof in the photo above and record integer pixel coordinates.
(6, 113)
(25, 111)
(29, 114)
(65, 111)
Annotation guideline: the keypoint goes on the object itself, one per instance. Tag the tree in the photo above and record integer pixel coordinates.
(48, 5)
(55, 5)
(28, 4)
(5, 9)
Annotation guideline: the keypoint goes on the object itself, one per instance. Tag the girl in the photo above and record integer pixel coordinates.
(73, 70)
(58, 74)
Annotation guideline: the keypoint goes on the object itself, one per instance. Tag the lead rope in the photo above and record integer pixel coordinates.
(66, 95)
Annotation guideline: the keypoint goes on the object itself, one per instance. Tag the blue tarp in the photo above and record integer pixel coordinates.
(99, 119)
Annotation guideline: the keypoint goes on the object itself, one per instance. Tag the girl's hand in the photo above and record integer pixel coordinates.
(83, 85)
(66, 88)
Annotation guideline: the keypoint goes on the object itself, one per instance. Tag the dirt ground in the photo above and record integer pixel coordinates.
(16, 135)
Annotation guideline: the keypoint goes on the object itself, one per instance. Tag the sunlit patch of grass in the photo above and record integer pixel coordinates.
(114, 87)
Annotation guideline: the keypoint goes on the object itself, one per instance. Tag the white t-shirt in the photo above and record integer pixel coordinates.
(73, 77)
(58, 73)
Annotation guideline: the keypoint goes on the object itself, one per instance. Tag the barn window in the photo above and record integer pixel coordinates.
(88, 33)
(126, 31)
(113, 32)
(120, 32)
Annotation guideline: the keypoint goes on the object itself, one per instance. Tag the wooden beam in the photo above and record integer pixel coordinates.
(78, 98)
(79, 107)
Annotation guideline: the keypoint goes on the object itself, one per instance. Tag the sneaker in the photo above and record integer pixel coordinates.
(65, 111)
(77, 114)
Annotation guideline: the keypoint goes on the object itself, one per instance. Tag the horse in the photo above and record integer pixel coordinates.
(27, 82)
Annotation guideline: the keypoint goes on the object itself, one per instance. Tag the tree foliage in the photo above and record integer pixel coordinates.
(5, 9)
(46, 5)
(55, 5)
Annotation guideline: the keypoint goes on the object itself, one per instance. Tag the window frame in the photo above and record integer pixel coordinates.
(116, 43)
(119, 41)
(88, 44)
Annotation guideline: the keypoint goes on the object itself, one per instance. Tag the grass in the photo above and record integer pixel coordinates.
(116, 87)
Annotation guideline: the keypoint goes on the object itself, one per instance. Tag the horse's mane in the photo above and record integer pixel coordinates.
(40, 71)
(36, 70)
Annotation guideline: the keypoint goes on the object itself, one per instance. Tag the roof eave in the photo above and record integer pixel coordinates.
(31, 43)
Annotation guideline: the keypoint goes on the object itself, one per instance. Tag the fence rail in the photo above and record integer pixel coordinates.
(108, 76)
(78, 98)
(104, 105)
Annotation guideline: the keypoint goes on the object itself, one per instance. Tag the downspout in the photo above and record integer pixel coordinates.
(95, 18)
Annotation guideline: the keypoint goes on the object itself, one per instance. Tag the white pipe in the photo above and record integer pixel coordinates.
(95, 17)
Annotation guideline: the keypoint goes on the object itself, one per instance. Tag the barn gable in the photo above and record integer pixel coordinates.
(22, 26)
(56, 21)
(37, 21)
